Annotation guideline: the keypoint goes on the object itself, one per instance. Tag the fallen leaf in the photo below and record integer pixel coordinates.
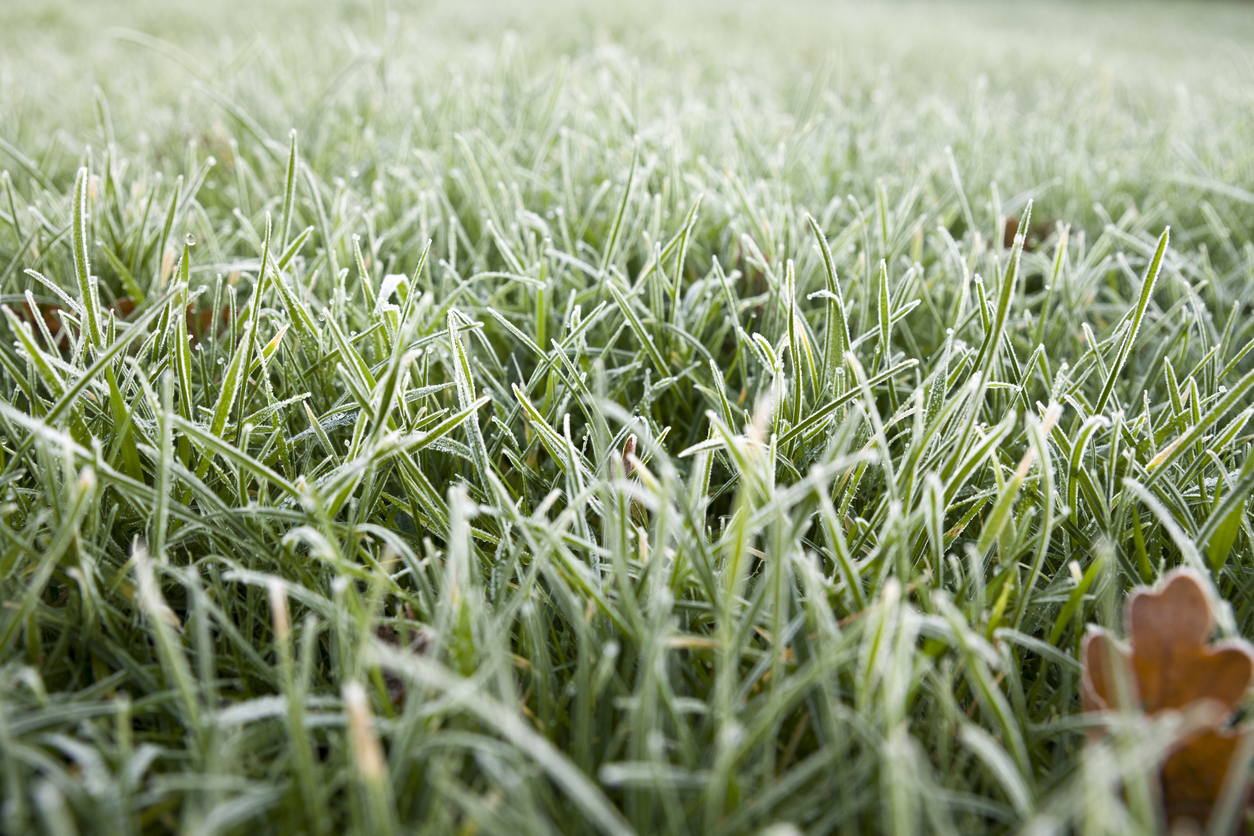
(1171, 667)
(419, 640)
(124, 307)
(629, 453)
(200, 323)
(53, 322)
(1032, 238)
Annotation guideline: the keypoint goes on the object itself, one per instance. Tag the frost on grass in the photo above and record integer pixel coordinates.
(634, 441)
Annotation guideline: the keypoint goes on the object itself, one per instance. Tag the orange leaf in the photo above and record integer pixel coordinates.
(1170, 667)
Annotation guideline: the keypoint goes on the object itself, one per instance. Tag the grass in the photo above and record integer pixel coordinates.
(603, 421)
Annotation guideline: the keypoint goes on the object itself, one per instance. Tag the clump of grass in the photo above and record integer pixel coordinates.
(551, 461)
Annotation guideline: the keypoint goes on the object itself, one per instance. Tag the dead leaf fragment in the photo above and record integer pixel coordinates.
(1171, 667)
(419, 640)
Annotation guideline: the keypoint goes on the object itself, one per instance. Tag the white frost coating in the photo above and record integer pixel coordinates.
(390, 283)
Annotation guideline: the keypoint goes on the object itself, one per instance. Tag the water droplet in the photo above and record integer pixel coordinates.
(190, 239)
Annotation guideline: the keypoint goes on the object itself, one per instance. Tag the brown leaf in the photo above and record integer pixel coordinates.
(419, 640)
(629, 453)
(1036, 233)
(53, 322)
(200, 323)
(1170, 667)
(48, 312)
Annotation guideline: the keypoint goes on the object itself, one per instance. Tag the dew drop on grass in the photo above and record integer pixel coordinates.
(190, 239)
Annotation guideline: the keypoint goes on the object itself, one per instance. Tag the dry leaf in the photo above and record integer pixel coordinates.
(199, 323)
(629, 453)
(53, 322)
(1171, 667)
(1032, 237)
(419, 640)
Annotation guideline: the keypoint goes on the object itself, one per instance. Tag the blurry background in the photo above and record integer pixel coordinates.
(1104, 101)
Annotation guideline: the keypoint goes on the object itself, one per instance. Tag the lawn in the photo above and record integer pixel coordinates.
(581, 417)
